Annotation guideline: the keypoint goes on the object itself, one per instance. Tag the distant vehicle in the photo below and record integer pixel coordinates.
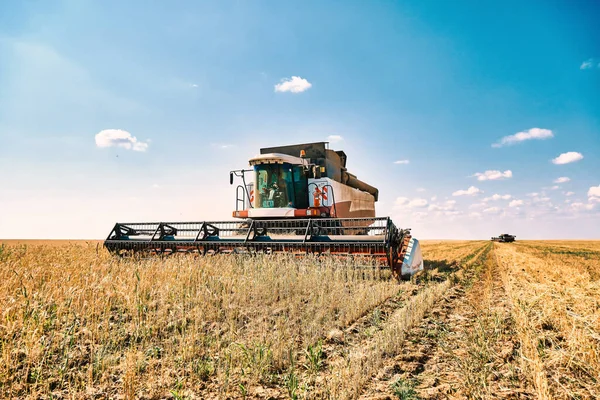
(504, 238)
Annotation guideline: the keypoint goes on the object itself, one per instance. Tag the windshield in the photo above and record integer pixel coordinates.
(274, 186)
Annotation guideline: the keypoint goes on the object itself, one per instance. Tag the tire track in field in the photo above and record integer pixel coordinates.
(372, 319)
(421, 341)
(338, 346)
(364, 346)
(462, 348)
(343, 347)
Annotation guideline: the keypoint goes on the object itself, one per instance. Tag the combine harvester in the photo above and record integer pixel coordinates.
(301, 200)
(504, 238)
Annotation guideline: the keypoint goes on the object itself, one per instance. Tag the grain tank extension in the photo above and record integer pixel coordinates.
(296, 199)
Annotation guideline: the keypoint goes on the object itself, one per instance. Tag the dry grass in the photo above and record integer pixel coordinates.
(48, 243)
(478, 341)
(348, 377)
(77, 322)
(524, 324)
(555, 298)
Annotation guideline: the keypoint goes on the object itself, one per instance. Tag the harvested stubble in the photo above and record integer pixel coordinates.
(78, 321)
(348, 378)
(524, 324)
(555, 298)
(450, 251)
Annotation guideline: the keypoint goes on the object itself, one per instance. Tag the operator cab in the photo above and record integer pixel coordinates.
(300, 181)
(279, 184)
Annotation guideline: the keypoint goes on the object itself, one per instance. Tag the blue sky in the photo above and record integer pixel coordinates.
(436, 83)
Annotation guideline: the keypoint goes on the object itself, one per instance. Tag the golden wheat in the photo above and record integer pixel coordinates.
(77, 320)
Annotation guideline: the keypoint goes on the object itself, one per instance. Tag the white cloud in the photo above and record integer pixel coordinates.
(433, 198)
(569, 193)
(447, 206)
(471, 191)
(475, 215)
(295, 84)
(417, 203)
(493, 175)
(594, 193)
(419, 214)
(562, 179)
(334, 138)
(452, 213)
(566, 158)
(221, 145)
(156, 186)
(588, 64)
(477, 205)
(534, 194)
(420, 189)
(496, 197)
(492, 210)
(533, 133)
(405, 202)
(555, 187)
(402, 162)
(515, 203)
(119, 138)
(582, 206)
(194, 85)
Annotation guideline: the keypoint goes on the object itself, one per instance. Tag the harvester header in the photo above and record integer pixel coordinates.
(297, 199)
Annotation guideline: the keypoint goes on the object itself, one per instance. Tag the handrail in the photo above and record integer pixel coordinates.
(238, 199)
(332, 200)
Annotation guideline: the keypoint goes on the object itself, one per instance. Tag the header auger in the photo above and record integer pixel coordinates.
(301, 200)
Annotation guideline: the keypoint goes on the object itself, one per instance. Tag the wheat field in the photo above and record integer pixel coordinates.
(484, 320)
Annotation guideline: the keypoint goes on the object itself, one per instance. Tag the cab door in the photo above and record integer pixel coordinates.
(300, 187)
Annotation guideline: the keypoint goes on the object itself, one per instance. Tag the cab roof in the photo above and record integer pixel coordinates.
(276, 158)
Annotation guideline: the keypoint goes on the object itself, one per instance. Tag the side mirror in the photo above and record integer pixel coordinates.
(231, 178)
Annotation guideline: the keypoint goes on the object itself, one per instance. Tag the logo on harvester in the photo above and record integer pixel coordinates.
(320, 196)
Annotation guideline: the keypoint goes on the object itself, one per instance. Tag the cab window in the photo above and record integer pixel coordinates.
(275, 186)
